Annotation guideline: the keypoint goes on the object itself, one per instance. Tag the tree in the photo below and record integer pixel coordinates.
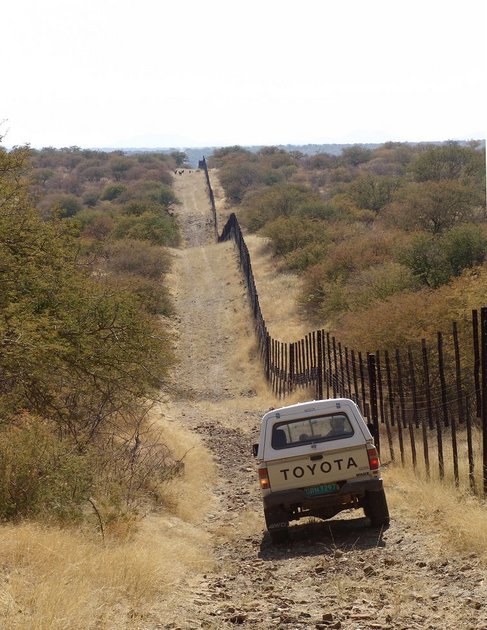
(180, 158)
(427, 260)
(356, 154)
(465, 247)
(371, 192)
(73, 349)
(433, 206)
(447, 162)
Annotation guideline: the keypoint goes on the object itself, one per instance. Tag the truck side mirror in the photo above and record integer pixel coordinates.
(255, 449)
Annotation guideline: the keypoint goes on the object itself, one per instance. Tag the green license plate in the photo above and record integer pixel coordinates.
(323, 489)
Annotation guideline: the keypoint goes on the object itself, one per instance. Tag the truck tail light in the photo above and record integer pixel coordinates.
(374, 462)
(264, 479)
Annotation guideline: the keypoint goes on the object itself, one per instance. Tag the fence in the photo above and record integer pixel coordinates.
(424, 404)
(202, 165)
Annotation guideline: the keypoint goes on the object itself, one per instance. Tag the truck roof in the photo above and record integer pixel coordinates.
(309, 406)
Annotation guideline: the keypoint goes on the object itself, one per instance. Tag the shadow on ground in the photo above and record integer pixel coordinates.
(324, 538)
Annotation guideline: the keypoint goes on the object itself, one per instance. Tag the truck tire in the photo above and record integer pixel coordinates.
(375, 508)
(277, 523)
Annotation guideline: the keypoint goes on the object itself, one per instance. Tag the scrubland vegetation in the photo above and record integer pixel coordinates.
(84, 351)
(380, 236)
(99, 523)
(97, 515)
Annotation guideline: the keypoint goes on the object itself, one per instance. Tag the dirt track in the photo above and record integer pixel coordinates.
(338, 574)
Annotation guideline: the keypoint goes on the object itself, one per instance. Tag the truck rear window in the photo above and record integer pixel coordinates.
(307, 430)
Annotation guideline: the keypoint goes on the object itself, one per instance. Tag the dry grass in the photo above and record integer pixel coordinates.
(62, 579)
(190, 496)
(456, 517)
(70, 579)
(278, 293)
(434, 470)
(223, 209)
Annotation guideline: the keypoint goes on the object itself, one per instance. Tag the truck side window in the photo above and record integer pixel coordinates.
(279, 439)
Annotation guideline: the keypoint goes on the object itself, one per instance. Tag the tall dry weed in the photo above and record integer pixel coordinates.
(456, 517)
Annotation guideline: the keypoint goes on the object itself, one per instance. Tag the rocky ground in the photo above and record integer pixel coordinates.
(334, 574)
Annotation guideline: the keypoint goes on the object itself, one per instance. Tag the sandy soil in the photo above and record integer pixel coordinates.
(334, 574)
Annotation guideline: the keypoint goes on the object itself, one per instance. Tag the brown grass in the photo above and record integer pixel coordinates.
(277, 293)
(71, 579)
(434, 469)
(455, 516)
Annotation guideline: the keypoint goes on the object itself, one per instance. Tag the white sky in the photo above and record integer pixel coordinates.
(112, 73)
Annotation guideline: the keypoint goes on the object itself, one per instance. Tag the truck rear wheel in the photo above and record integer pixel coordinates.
(375, 508)
(277, 524)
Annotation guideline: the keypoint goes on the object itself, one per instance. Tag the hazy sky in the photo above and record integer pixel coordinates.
(112, 73)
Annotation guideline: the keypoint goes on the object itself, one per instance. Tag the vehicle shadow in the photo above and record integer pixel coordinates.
(319, 538)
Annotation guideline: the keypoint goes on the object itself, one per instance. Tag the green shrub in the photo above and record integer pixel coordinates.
(113, 191)
(68, 205)
(157, 228)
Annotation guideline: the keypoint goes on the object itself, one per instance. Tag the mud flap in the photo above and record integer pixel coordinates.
(277, 522)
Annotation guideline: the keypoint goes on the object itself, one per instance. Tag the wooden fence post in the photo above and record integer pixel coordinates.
(292, 366)
(483, 339)
(362, 383)
(441, 367)
(384, 418)
(319, 380)
(342, 371)
(328, 365)
(355, 381)
(415, 408)
(427, 387)
(401, 421)
(476, 365)
(373, 399)
(389, 386)
(471, 458)
(335, 369)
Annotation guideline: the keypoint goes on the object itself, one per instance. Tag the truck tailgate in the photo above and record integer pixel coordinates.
(318, 468)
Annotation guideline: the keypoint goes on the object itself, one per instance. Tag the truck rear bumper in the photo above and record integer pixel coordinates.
(349, 491)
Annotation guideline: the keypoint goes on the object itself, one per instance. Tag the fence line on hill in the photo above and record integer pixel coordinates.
(204, 166)
(426, 405)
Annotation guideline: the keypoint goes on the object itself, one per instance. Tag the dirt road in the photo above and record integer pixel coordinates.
(338, 574)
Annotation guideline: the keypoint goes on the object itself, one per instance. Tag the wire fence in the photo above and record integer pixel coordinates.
(426, 405)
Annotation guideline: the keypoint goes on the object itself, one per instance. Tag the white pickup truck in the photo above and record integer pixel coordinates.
(316, 459)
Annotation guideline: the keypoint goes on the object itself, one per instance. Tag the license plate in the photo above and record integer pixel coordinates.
(327, 488)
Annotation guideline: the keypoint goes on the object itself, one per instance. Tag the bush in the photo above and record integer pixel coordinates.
(113, 191)
(292, 233)
(137, 257)
(157, 228)
(152, 191)
(40, 475)
(378, 283)
(465, 247)
(68, 205)
(48, 478)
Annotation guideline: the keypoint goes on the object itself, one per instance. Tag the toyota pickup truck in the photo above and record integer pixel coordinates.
(316, 459)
